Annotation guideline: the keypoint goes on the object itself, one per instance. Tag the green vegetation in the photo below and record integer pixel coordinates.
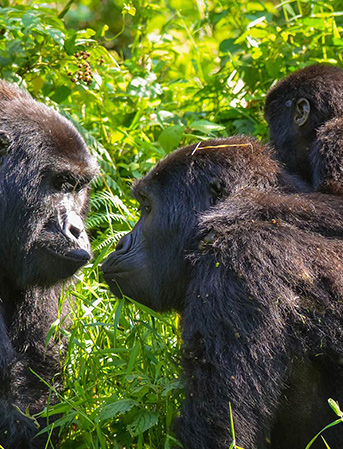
(139, 79)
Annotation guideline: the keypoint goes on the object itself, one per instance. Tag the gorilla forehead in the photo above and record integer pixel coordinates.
(26, 120)
(227, 158)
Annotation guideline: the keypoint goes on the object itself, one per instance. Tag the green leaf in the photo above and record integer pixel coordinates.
(170, 138)
(205, 126)
(133, 356)
(69, 44)
(30, 20)
(56, 35)
(101, 32)
(143, 421)
(335, 407)
(61, 93)
(115, 408)
(229, 46)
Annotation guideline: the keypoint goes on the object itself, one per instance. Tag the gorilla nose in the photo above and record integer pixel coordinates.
(124, 244)
(73, 227)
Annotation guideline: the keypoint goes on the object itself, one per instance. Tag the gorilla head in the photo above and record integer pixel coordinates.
(302, 111)
(45, 170)
(149, 263)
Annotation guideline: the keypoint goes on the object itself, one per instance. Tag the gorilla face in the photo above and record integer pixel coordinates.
(150, 262)
(58, 245)
(45, 171)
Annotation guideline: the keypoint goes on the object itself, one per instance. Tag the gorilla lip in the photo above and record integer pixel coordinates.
(77, 255)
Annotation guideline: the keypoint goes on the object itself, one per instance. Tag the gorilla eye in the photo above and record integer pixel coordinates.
(144, 204)
(66, 183)
(145, 208)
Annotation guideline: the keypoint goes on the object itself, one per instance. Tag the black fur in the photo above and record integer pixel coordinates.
(256, 272)
(313, 150)
(45, 169)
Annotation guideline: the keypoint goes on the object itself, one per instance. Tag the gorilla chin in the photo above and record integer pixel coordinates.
(114, 286)
(122, 282)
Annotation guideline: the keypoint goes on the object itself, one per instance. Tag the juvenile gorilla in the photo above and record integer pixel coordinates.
(45, 170)
(305, 116)
(256, 272)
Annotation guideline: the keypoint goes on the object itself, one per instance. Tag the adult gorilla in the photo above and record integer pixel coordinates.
(305, 116)
(257, 274)
(45, 170)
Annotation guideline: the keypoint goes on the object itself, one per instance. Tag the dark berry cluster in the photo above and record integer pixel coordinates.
(84, 70)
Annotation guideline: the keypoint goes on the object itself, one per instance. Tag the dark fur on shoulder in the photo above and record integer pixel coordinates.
(263, 322)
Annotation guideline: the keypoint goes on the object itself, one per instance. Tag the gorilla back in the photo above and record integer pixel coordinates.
(45, 170)
(256, 271)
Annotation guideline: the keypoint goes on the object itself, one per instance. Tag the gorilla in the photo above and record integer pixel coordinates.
(45, 171)
(255, 268)
(304, 112)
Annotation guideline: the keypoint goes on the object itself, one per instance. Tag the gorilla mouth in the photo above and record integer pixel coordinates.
(109, 274)
(79, 256)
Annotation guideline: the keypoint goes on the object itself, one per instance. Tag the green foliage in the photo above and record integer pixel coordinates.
(121, 372)
(140, 78)
(335, 407)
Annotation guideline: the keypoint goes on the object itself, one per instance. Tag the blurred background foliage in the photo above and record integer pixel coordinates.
(140, 78)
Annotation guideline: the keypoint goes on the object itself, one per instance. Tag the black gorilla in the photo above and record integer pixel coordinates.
(305, 116)
(256, 272)
(45, 170)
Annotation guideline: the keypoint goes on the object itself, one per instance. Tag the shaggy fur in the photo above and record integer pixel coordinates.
(256, 272)
(314, 150)
(326, 157)
(44, 172)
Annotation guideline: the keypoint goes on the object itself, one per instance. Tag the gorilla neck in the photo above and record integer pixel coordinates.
(22, 310)
(9, 297)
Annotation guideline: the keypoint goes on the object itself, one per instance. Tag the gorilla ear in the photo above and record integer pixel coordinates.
(217, 191)
(301, 111)
(4, 144)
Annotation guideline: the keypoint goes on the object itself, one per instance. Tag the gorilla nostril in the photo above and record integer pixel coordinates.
(73, 226)
(74, 231)
(124, 244)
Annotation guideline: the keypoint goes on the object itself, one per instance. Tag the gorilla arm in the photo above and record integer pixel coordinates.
(12, 422)
(230, 361)
(27, 350)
